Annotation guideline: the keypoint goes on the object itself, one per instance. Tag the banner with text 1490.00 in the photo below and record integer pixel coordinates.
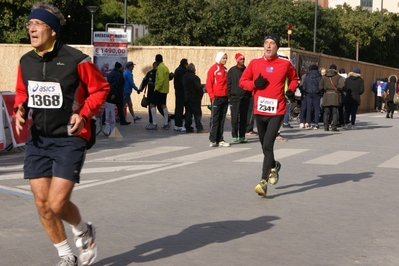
(108, 49)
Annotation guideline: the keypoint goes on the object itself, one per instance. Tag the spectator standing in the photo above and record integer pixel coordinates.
(179, 95)
(61, 130)
(341, 108)
(216, 86)
(313, 96)
(193, 93)
(374, 89)
(265, 77)
(354, 86)
(115, 96)
(149, 82)
(331, 85)
(128, 88)
(380, 91)
(161, 90)
(302, 114)
(239, 100)
(392, 89)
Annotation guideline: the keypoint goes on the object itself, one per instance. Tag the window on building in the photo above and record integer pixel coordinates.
(366, 3)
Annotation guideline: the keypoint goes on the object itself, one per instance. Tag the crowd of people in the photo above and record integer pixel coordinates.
(333, 97)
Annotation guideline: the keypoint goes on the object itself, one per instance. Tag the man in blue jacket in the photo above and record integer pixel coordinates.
(128, 88)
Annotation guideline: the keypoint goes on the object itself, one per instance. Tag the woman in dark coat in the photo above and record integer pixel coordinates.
(354, 87)
(391, 87)
(331, 85)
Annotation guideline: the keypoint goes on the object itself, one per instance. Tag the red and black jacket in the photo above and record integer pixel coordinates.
(83, 88)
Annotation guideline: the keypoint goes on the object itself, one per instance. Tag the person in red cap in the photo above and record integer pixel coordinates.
(266, 77)
(239, 100)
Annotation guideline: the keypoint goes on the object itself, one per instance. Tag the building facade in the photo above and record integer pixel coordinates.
(372, 5)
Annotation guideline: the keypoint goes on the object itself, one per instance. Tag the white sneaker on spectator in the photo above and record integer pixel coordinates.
(180, 129)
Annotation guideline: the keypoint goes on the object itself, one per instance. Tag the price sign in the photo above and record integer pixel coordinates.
(110, 51)
(109, 48)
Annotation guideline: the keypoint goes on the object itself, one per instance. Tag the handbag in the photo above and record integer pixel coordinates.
(385, 95)
(396, 98)
(144, 101)
(337, 91)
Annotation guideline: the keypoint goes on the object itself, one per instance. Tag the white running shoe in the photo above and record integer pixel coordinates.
(66, 261)
(86, 245)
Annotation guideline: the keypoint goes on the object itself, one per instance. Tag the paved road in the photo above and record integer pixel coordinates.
(166, 198)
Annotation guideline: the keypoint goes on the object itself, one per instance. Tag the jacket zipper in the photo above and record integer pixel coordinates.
(44, 109)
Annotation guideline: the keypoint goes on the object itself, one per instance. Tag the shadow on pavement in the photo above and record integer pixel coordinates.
(191, 238)
(323, 181)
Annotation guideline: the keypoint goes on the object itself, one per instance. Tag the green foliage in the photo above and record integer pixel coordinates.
(224, 23)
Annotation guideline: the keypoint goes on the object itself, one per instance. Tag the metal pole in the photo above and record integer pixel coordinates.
(92, 28)
(92, 10)
(382, 7)
(357, 51)
(315, 25)
(125, 15)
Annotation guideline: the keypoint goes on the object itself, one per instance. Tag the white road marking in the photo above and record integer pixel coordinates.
(199, 156)
(278, 154)
(131, 176)
(391, 163)
(336, 158)
(139, 154)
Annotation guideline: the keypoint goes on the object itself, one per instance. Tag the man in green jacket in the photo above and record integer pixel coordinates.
(162, 78)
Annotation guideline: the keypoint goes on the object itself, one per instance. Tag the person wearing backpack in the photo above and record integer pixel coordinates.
(354, 86)
(391, 88)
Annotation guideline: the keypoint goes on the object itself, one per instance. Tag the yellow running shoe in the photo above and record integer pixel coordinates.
(274, 176)
(261, 188)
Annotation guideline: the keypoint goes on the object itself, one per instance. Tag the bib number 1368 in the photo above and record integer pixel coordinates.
(43, 101)
(44, 95)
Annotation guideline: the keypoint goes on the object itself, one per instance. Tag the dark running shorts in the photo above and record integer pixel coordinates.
(126, 98)
(59, 157)
(159, 98)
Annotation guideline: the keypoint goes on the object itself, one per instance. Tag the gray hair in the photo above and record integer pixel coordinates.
(191, 67)
(50, 8)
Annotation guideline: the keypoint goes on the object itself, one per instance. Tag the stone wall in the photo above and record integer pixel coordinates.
(203, 58)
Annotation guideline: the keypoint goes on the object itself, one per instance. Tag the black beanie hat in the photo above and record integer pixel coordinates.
(333, 67)
(158, 58)
(118, 65)
(274, 37)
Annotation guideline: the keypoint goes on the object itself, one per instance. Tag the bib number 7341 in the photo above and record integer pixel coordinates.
(44, 95)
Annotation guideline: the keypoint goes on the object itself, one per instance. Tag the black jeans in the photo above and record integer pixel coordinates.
(179, 108)
(218, 116)
(268, 127)
(350, 111)
(193, 108)
(239, 111)
(334, 111)
(313, 100)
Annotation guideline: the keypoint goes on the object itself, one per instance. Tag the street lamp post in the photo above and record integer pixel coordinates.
(315, 25)
(92, 10)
